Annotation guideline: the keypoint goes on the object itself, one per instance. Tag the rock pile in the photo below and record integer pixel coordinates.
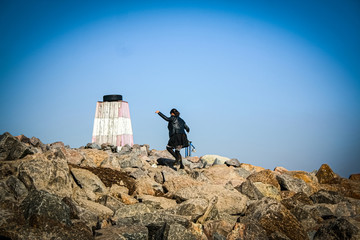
(50, 191)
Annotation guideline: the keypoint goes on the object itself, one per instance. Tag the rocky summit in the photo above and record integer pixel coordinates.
(51, 191)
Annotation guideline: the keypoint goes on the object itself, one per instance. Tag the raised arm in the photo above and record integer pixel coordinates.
(163, 116)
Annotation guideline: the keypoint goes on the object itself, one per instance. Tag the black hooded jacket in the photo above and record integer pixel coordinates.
(176, 124)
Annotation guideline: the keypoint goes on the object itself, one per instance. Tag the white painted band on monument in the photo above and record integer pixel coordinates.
(112, 126)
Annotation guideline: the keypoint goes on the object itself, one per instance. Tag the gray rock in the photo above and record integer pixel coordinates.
(89, 182)
(157, 202)
(217, 162)
(134, 210)
(229, 201)
(242, 172)
(33, 142)
(138, 173)
(110, 202)
(233, 162)
(278, 236)
(320, 211)
(301, 207)
(217, 229)
(36, 143)
(194, 208)
(49, 229)
(197, 165)
(287, 182)
(16, 189)
(130, 161)
(125, 149)
(158, 177)
(11, 148)
(49, 172)
(74, 212)
(199, 176)
(144, 150)
(108, 147)
(93, 146)
(250, 230)
(337, 229)
(56, 145)
(345, 209)
(169, 173)
(40, 206)
(174, 232)
(10, 199)
(154, 220)
(274, 217)
(324, 196)
(210, 159)
(249, 189)
(8, 168)
(122, 232)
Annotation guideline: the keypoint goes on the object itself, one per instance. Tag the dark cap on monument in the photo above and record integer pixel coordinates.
(112, 98)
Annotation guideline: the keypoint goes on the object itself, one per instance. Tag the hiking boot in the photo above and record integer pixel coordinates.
(181, 165)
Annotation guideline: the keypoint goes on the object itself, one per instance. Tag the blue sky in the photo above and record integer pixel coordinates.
(272, 83)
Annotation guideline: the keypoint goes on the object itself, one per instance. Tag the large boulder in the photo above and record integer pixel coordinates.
(280, 170)
(209, 160)
(33, 142)
(164, 203)
(258, 190)
(217, 229)
(329, 197)
(249, 189)
(248, 231)
(242, 172)
(174, 232)
(127, 211)
(98, 210)
(89, 182)
(93, 157)
(287, 182)
(147, 186)
(129, 161)
(176, 183)
(347, 187)
(233, 162)
(251, 168)
(215, 175)
(49, 172)
(268, 190)
(193, 207)
(302, 208)
(11, 148)
(123, 232)
(13, 192)
(355, 177)
(229, 201)
(93, 146)
(41, 206)
(265, 176)
(309, 178)
(325, 174)
(274, 217)
(340, 228)
(155, 222)
(75, 157)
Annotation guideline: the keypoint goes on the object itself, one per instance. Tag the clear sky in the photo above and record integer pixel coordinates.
(272, 83)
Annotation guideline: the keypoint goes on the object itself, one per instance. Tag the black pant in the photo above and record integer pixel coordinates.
(176, 155)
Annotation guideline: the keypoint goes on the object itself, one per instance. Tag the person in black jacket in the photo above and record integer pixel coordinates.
(178, 138)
